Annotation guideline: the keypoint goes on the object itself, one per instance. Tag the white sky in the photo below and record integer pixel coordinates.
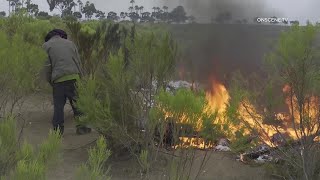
(292, 9)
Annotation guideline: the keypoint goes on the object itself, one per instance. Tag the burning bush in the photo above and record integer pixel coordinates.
(293, 66)
(175, 113)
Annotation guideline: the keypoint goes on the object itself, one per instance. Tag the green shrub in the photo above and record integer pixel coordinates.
(118, 103)
(94, 168)
(8, 144)
(25, 162)
(185, 107)
(21, 63)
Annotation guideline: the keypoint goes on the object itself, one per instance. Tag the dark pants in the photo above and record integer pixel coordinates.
(61, 92)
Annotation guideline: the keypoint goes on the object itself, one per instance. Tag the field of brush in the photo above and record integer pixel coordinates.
(136, 119)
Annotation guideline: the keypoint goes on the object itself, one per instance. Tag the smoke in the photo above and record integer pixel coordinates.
(205, 10)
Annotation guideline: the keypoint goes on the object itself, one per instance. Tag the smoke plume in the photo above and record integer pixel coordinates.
(205, 10)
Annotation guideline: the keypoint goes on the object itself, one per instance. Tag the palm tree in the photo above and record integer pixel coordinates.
(73, 4)
(132, 2)
(131, 9)
(137, 8)
(165, 8)
(123, 15)
(141, 9)
(154, 9)
(13, 6)
(80, 5)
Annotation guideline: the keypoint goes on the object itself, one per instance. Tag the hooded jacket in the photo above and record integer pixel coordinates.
(63, 59)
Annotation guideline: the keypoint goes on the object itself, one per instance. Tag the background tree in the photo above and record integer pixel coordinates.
(296, 22)
(224, 17)
(3, 14)
(131, 9)
(100, 15)
(89, 9)
(192, 19)
(134, 16)
(80, 5)
(32, 8)
(78, 15)
(141, 8)
(165, 8)
(43, 15)
(145, 17)
(112, 16)
(132, 3)
(178, 14)
(137, 8)
(15, 5)
(123, 15)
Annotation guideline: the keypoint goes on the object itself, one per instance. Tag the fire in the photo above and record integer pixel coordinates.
(194, 143)
(310, 110)
(218, 97)
(249, 118)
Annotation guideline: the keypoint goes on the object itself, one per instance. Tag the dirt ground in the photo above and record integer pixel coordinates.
(37, 114)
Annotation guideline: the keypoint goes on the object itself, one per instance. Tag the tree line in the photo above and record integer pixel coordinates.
(79, 10)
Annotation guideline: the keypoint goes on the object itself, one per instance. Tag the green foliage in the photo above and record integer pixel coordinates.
(19, 70)
(8, 144)
(31, 170)
(33, 165)
(34, 32)
(25, 162)
(94, 169)
(184, 106)
(115, 89)
(50, 148)
(145, 162)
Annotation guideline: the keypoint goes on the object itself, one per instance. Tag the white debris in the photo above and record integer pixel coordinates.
(179, 84)
(222, 148)
(263, 159)
(224, 142)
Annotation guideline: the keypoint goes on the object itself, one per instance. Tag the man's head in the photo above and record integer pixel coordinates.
(56, 32)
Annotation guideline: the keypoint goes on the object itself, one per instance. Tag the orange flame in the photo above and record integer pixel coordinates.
(218, 99)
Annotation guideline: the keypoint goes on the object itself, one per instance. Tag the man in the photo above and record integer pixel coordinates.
(62, 72)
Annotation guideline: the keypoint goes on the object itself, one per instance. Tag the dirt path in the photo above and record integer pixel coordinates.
(37, 113)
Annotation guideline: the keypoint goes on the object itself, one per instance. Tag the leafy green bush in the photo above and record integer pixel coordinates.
(19, 70)
(8, 144)
(115, 90)
(94, 169)
(185, 107)
(25, 162)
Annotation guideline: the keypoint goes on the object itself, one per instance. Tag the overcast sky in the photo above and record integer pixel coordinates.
(292, 9)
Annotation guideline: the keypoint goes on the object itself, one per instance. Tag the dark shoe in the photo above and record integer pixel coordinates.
(81, 130)
(60, 129)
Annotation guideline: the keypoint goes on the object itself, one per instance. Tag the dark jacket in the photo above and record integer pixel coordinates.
(63, 59)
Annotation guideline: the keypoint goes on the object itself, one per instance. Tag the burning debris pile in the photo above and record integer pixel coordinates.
(269, 137)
